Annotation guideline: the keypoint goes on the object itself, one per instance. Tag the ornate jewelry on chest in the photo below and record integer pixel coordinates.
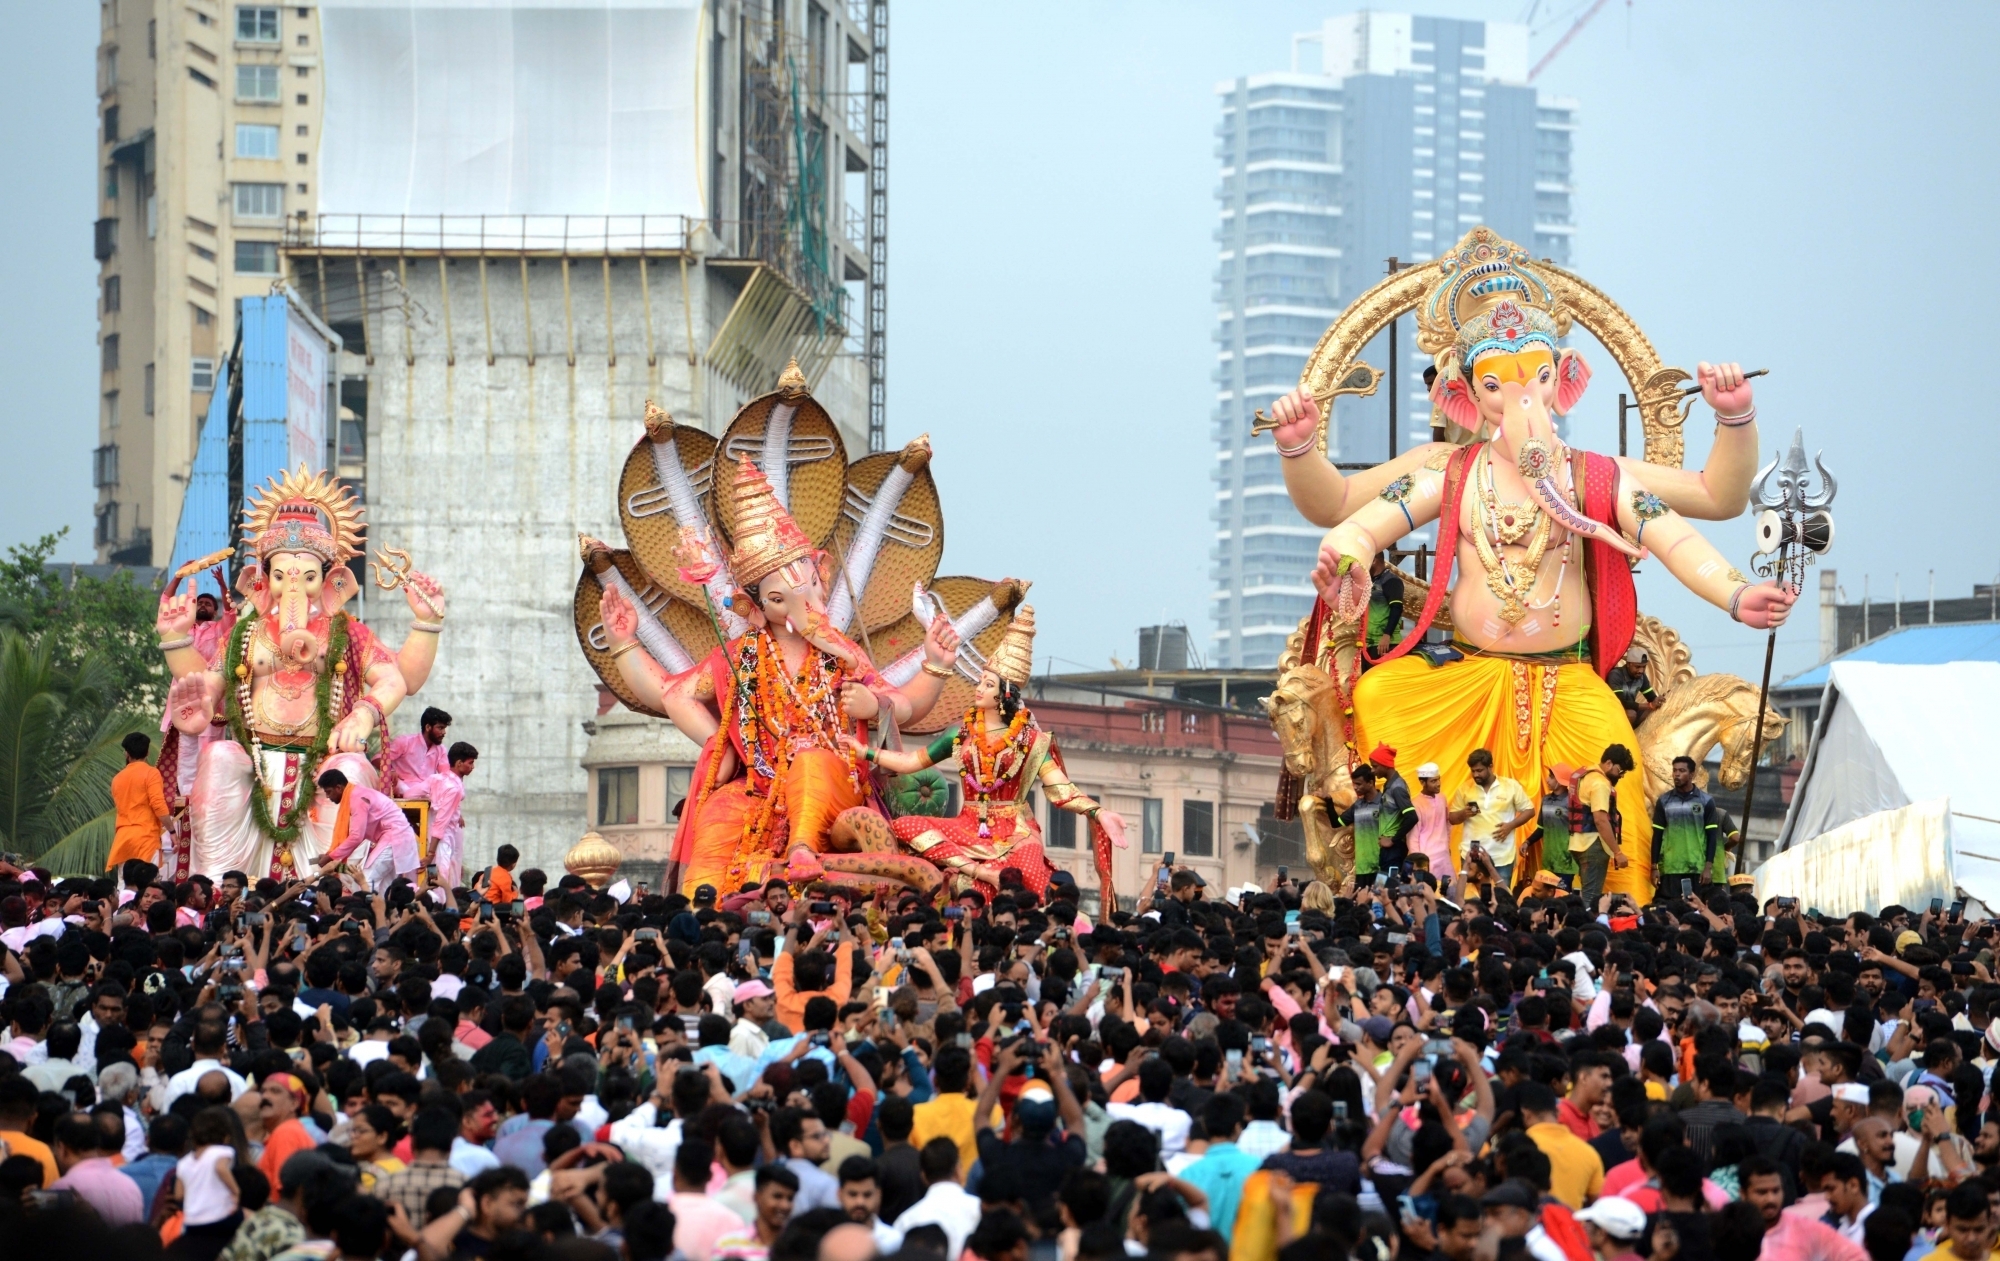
(987, 762)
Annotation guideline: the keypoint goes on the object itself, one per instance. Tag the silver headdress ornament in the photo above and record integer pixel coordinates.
(1794, 529)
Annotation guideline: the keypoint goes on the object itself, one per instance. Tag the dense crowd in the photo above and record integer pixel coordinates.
(518, 1069)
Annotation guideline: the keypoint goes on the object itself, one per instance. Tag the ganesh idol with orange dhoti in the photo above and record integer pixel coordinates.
(299, 687)
(1535, 542)
(1002, 754)
(774, 707)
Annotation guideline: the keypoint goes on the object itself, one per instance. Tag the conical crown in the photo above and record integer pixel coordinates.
(1014, 659)
(766, 536)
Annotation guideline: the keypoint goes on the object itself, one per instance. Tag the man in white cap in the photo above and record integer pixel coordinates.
(755, 1004)
(1431, 836)
(1613, 1225)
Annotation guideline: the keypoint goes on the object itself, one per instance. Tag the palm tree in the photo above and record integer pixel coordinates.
(59, 747)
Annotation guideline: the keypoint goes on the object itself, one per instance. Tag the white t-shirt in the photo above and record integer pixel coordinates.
(205, 1199)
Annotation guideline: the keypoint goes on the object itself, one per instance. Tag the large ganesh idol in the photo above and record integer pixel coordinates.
(777, 602)
(298, 687)
(1535, 540)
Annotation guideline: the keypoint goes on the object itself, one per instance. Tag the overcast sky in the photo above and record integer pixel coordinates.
(1801, 187)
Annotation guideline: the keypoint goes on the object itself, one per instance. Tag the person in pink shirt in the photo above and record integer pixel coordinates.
(446, 792)
(1795, 1235)
(1636, 1181)
(1431, 836)
(411, 760)
(367, 815)
(699, 1220)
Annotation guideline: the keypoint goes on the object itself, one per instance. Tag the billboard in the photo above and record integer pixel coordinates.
(305, 393)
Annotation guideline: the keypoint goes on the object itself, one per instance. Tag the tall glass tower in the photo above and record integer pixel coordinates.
(1414, 130)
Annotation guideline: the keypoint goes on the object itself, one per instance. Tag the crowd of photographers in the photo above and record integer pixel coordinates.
(258, 1071)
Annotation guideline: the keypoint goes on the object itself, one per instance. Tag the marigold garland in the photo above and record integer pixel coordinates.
(284, 830)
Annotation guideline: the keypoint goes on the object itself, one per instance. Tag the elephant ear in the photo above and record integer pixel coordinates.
(341, 586)
(1572, 375)
(1453, 396)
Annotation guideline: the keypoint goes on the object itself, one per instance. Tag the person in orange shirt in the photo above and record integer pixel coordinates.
(283, 1101)
(17, 1113)
(500, 888)
(811, 980)
(141, 800)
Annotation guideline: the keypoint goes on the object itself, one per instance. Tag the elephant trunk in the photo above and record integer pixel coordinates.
(1538, 466)
(295, 637)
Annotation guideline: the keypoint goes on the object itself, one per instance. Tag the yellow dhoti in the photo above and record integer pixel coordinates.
(1528, 715)
(811, 793)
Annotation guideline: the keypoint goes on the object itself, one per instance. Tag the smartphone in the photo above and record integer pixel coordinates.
(514, 908)
(485, 912)
(646, 934)
(746, 950)
(1340, 1109)
(1687, 887)
(625, 1022)
(1381, 880)
(820, 908)
(1437, 1046)
(1937, 904)
(1392, 871)
(1336, 974)
(821, 1038)
(1282, 871)
(1234, 1058)
(963, 1040)
(954, 912)
(1420, 1073)
(1261, 1046)
(1958, 909)
(760, 917)
(1168, 858)
(255, 919)
(1111, 976)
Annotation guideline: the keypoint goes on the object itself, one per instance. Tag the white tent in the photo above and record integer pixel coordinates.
(1899, 801)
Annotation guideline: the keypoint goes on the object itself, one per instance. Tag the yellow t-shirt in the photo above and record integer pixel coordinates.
(1594, 791)
(1576, 1171)
(948, 1116)
(1498, 802)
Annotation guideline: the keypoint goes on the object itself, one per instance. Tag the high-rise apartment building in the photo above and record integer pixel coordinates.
(1414, 130)
(209, 123)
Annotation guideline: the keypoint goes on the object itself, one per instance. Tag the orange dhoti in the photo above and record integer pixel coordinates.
(1529, 715)
(810, 793)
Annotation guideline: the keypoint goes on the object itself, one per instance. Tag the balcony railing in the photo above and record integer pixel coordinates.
(857, 227)
(475, 234)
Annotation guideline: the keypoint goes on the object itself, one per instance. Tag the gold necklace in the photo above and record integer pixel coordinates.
(1510, 521)
(1511, 582)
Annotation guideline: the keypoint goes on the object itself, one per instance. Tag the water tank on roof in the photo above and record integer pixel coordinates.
(1164, 648)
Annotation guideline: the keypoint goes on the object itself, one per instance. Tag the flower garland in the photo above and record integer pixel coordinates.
(283, 830)
(984, 763)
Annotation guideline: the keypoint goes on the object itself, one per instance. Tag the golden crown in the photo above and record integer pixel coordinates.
(766, 536)
(1489, 296)
(300, 511)
(1014, 659)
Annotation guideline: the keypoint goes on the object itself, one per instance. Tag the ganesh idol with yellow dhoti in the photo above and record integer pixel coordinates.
(300, 686)
(1533, 546)
(773, 707)
(1002, 754)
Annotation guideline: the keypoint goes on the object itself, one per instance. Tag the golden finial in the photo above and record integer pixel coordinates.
(792, 382)
(659, 423)
(1014, 659)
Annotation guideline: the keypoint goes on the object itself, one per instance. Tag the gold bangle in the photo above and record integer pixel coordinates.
(621, 651)
(937, 671)
(428, 628)
(173, 645)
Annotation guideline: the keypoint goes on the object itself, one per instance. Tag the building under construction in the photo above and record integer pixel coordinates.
(529, 220)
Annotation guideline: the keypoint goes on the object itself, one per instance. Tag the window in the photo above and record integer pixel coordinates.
(301, 159)
(111, 182)
(149, 389)
(301, 130)
(256, 24)
(617, 795)
(201, 374)
(256, 258)
(1198, 829)
(108, 353)
(106, 532)
(300, 98)
(110, 123)
(113, 293)
(110, 83)
(200, 78)
(1061, 830)
(104, 466)
(302, 72)
(260, 201)
(256, 140)
(1152, 825)
(202, 319)
(153, 39)
(107, 238)
(679, 780)
(353, 441)
(257, 83)
(111, 409)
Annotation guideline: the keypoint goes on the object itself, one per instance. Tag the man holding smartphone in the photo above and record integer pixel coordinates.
(1492, 808)
(1685, 837)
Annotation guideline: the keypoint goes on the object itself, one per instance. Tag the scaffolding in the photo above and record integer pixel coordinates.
(784, 169)
(878, 224)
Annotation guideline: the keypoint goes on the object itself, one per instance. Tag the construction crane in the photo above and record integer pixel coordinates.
(1568, 35)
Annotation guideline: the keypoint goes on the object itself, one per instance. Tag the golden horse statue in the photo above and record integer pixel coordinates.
(1697, 712)
(1316, 754)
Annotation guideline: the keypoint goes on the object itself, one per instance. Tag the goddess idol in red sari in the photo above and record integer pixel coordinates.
(1001, 754)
